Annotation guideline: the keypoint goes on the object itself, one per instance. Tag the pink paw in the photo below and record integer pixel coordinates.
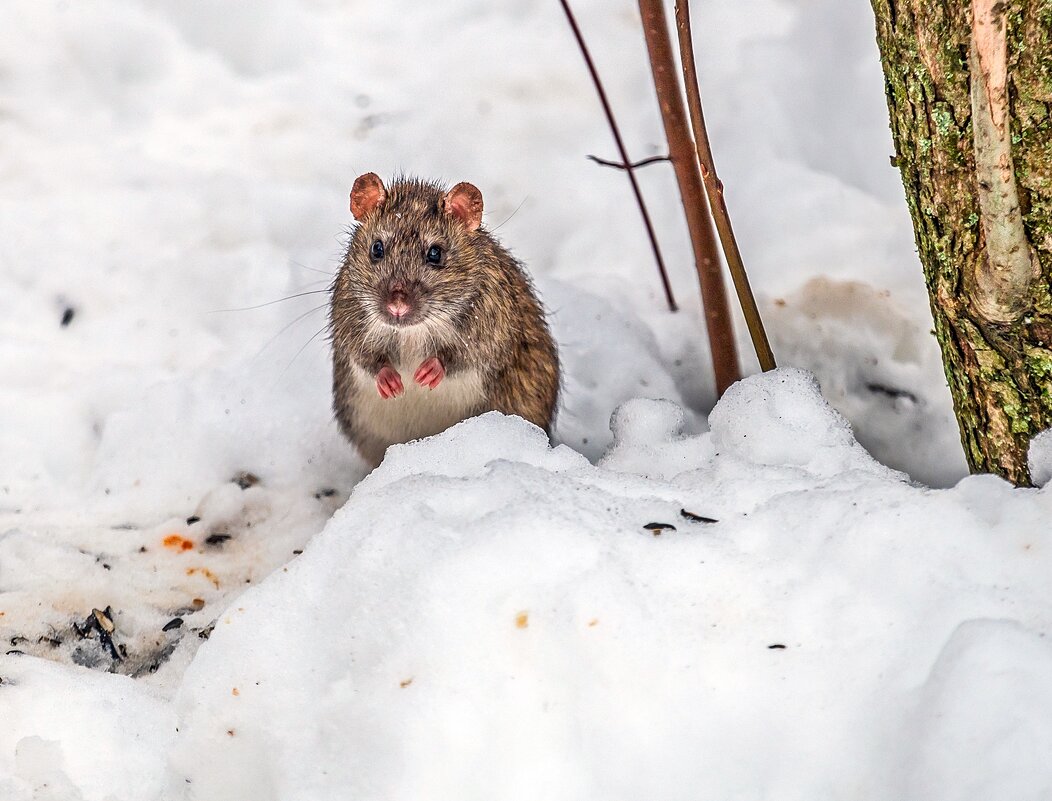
(430, 373)
(389, 383)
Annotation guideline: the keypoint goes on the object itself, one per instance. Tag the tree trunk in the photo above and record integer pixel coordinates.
(969, 85)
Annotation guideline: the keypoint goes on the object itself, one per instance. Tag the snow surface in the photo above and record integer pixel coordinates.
(502, 624)
(483, 616)
(1040, 458)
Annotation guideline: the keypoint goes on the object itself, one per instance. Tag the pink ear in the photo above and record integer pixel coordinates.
(367, 193)
(464, 201)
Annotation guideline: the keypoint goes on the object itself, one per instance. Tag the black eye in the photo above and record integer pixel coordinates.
(377, 250)
(434, 255)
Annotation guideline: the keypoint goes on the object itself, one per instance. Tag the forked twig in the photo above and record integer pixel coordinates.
(625, 160)
(617, 165)
(714, 189)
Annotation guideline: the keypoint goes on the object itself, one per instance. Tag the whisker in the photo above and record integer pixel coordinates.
(305, 344)
(272, 302)
(270, 341)
(516, 211)
(312, 269)
(447, 325)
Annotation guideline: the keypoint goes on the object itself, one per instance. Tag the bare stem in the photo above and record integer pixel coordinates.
(714, 189)
(688, 176)
(624, 154)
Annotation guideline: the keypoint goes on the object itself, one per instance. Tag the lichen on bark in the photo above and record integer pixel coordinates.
(969, 88)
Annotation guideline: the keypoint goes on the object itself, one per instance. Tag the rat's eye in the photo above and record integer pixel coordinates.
(434, 255)
(377, 250)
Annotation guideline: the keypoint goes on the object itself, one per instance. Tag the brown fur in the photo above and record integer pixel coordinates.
(477, 313)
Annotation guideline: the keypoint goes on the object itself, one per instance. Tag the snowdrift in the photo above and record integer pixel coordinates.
(490, 617)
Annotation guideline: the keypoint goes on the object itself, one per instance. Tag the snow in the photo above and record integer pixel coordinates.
(1040, 458)
(502, 624)
(485, 615)
(83, 734)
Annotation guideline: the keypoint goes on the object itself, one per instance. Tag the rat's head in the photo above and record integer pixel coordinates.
(414, 258)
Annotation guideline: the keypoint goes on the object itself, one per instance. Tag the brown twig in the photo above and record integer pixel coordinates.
(714, 189)
(617, 165)
(688, 176)
(624, 154)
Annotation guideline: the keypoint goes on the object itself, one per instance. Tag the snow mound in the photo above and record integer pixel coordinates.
(984, 704)
(781, 418)
(488, 617)
(454, 452)
(70, 734)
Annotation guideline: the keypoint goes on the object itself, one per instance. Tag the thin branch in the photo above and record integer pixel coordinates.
(688, 176)
(714, 189)
(624, 154)
(617, 165)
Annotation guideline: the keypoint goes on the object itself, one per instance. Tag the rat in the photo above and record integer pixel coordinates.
(432, 320)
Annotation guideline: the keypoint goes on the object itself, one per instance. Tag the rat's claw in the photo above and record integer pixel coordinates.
(430, 373)
(389, 383)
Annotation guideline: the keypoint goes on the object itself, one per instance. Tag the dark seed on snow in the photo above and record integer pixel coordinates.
(777, 647)
(328, 492)
(93, 622)
(697, 518)
(659, 528)
(107, 643)
(217, 539)
(67, 316)
(174, 623)
(245, 479)
(891, 392)
(297, 552)
(192, 519)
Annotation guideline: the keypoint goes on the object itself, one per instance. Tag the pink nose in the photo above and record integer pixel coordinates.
(397, 305)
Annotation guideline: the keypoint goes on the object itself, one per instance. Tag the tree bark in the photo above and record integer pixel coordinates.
(969, 86)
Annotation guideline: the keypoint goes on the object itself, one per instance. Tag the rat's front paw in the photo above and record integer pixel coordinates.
(430, 373)
(389, 383)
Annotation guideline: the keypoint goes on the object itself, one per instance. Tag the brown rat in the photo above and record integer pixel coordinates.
(432, 320)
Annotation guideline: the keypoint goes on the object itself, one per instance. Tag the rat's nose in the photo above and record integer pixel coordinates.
(398, 304)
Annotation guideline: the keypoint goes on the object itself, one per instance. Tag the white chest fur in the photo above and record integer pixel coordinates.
(418, 411)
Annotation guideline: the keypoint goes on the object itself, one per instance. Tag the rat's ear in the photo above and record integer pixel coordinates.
(464, 201)
(367, 193)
